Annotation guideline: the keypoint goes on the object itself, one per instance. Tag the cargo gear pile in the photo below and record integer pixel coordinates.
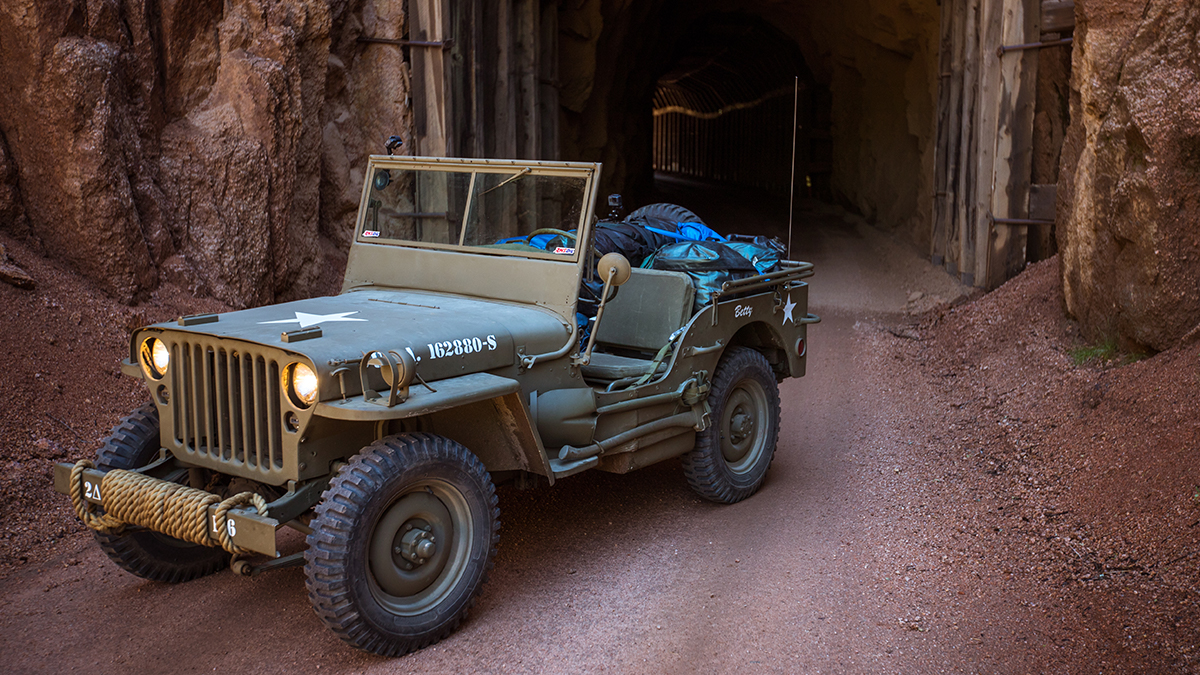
(479, 338)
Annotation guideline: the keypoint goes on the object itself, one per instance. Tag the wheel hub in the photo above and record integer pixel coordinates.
(741, 426)
(417, 545)
(406, 557)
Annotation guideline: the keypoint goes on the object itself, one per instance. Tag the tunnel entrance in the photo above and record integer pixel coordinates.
(725, 110)
(694, 89)
(917, 115)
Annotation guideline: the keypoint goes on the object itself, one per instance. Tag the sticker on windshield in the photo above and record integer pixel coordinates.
(370, 233)
(562, 250)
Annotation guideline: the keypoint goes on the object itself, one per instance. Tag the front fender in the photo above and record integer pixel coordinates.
(483, 412)
(422, 400)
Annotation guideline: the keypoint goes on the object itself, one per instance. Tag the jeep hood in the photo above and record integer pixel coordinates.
(447, 335)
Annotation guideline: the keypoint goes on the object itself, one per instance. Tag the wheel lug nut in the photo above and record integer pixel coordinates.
(407, 527)
(397, 550)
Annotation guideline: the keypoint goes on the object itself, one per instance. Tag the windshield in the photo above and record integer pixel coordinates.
(506, 210)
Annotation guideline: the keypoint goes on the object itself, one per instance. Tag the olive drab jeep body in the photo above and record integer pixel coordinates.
(462, 351)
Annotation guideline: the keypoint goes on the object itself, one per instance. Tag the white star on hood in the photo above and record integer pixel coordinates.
(305, 319)
(787, 311)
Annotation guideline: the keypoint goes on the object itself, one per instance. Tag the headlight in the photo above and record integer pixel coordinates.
(155, 358)
(300, 382)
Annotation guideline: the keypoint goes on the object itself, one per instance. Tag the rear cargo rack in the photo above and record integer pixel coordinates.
(791, 271)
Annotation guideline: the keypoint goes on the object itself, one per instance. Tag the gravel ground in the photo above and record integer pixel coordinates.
(952, 493)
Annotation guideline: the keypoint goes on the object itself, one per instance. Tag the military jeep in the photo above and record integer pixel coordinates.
(376, 422)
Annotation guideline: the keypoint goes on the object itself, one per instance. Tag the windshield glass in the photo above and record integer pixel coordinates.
(507, 210)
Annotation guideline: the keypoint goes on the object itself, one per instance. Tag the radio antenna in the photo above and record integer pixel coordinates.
(792, 194)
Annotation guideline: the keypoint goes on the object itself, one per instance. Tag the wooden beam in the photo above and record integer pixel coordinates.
(501, 89)
(527, 118)
(1042, 199)
(1039, 242)
(1013, 157)
(1058, 17)
(959, 135)
(969, 161)
(429, 78)
(456, 74)
(548, 82)
(942, 200)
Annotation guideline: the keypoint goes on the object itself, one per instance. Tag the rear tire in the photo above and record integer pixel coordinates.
(402, 543)
(731, 457)
(134, 443)
(671, 212)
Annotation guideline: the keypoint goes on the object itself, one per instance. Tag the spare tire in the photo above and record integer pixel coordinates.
(671, 212)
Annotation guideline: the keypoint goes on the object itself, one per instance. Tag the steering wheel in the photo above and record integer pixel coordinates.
(549, 230)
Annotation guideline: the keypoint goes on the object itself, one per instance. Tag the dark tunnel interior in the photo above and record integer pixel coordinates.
(725, 110)
(707, 91)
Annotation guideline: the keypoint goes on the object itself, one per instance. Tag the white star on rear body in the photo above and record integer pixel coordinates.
(305, 319)
(787, 311)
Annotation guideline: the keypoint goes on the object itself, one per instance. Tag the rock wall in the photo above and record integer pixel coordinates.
(1129, 185)
(211, 142)
(12, 208)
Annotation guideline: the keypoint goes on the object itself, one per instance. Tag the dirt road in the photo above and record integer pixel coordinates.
(843, 562)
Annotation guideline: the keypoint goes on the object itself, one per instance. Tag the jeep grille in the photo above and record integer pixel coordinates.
(226, 403)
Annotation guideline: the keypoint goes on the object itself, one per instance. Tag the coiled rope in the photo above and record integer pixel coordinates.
(178, 511)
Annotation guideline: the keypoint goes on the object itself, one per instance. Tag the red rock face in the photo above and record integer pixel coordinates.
(187, 139)
(1129, 190)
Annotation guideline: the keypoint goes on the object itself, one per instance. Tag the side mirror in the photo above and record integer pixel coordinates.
(614, 270)
(615, 265)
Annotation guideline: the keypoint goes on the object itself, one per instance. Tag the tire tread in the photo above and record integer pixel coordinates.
(327, 583)
(125, 448)
(704, 466)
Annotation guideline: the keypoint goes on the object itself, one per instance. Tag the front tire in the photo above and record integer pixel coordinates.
(402, 543)
(731, 457)
(134, 443)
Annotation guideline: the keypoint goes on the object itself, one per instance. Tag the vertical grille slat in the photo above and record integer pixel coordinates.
(259, 413)
(206, 370)
(250, 402)
(219, 402)
(177, 403)
(194, 399)
(275, 451)
(233, 403)
(247, 420)
(227, 405)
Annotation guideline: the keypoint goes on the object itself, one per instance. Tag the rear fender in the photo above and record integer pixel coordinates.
(771, 343)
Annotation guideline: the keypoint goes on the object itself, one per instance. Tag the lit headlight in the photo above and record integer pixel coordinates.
(301, 384)
(155, 357)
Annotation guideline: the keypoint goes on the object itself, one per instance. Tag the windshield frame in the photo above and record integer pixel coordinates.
(585, 170)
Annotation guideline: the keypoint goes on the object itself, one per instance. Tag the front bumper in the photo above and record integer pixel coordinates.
(248, 529)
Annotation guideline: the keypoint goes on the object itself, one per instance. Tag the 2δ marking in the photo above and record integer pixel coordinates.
(92, 491)
(471, 345)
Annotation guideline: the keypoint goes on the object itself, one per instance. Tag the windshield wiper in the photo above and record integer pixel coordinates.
(506, 181)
